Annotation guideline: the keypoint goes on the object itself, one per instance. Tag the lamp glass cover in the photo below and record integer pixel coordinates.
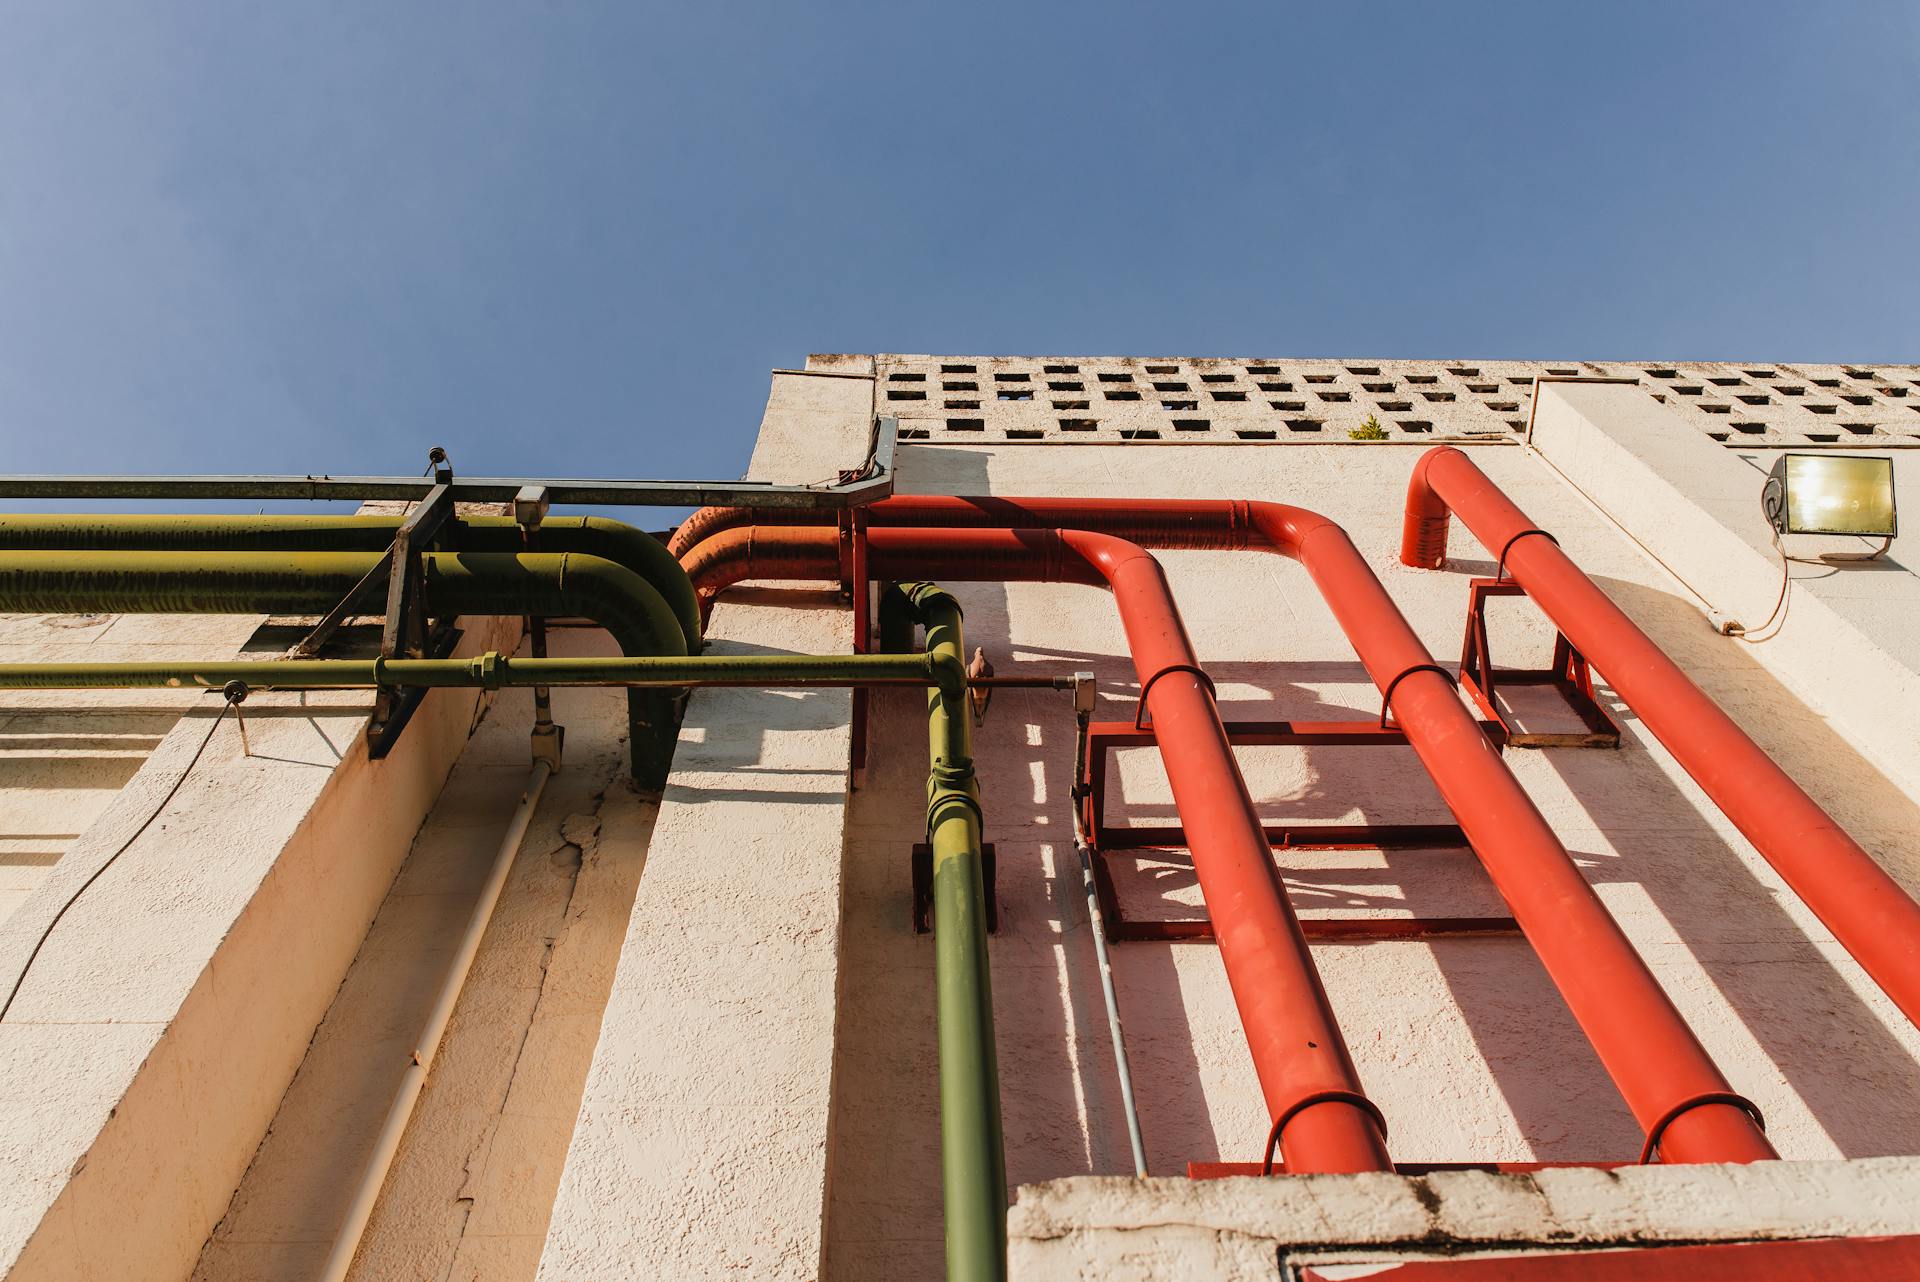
(1838, 494)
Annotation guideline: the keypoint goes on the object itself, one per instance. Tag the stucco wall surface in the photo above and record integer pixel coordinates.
(701, 1144)
(1847, 644)
(469, 1191)
(1240, 1230)
(65, 755)
(168, 1009)
(1463, 1042)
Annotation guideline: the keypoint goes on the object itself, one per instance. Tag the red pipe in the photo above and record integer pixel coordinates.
(1306, 1075)
(1664, 1074)
(1874, 919)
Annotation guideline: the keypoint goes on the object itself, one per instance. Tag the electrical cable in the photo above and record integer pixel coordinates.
(145, 824)
(1779, 603)
(1772, 499)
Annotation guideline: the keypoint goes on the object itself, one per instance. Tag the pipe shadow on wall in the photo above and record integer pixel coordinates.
(1563, 1104)
(1833, 1050)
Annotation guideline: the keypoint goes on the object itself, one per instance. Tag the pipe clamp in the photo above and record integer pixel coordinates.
(1305, 1102)
(1651, 1149)
(1386, 698)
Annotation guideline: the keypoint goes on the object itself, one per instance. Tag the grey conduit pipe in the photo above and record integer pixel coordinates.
(1083, 695)
(346, 1242)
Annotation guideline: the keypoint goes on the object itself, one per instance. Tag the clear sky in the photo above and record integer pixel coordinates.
(571, 238)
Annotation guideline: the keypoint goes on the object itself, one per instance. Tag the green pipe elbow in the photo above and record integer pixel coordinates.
(598, 536)
(549, 584)
(543, 584)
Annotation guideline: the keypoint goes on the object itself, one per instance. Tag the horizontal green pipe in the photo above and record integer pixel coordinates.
(540, 584)
(614, 541)
(494, 671)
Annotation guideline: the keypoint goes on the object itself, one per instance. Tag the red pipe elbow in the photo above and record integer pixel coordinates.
(1423, 533)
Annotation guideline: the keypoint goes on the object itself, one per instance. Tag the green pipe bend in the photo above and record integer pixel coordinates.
(599, 536)
(542, 584)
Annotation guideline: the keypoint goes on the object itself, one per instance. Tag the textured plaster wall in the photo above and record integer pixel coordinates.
(1463, 1042)
(1241, 1230)
(702, 1141)
(470, 1189)
(65, 755)
(161, 1022)
(1849, 645)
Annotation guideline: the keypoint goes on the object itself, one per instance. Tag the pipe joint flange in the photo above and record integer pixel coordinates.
(491, 670)
(1651, 1149)
(949, 673)
(950, 772)
(938, 803)
(1305, 1102)
(924, 595)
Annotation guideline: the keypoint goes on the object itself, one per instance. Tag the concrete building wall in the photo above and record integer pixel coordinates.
(1463, 1042)
(173, 973)
(722, 1060)
(701, 1148)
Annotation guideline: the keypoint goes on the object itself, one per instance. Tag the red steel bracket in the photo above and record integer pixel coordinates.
(858, 586)
(1108, 838)
(1569, 675)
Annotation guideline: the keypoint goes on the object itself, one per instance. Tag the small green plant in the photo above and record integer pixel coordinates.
(1369, 430)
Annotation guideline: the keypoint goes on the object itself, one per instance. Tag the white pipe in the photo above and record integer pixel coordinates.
(347, 1241)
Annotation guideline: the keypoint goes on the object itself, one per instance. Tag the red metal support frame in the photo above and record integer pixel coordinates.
(1869, 913)
(1109, 838)
(859, 587)
(1298, 1052)
(1568, 674)
(1651, 1054)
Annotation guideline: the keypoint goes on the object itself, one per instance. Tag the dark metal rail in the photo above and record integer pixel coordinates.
(872, 481)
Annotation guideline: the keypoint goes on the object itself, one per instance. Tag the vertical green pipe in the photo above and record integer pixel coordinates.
(972, 1150)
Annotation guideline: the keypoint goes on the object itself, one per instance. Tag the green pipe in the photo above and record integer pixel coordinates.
(973, 1156)
(972, 1146)
(598, 536)
(493, 671)
(545, 584)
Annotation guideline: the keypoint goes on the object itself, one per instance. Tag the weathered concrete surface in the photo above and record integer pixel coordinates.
(1240, 1230)
(1233, 401)
(1463, 1042)
(1848, 641)
(701, 1146)
(470, 1189)
(166, 1012)
(65, 755)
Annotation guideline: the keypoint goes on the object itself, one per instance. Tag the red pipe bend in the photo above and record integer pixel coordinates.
(1298, 1051)
(1869, 913)
(1647, 1048)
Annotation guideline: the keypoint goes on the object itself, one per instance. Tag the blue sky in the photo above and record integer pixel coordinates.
(571, 239)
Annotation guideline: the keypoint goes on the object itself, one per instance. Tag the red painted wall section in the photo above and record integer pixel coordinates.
(1881, 1259)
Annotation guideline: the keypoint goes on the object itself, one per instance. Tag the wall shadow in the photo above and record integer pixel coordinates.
(1532, 1046)
(1060, 1095)
(1833, 1050)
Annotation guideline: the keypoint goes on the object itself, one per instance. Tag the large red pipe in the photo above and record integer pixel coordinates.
(1298, 1052)
(1663, 1072)
(1867, 911)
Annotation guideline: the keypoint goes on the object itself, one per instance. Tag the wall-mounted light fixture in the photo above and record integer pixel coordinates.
(1830, 494)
